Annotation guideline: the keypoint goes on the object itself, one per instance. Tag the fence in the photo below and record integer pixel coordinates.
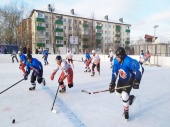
(154, 49)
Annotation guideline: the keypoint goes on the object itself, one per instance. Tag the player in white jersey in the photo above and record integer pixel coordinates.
(69, 58)
(67, 72)
(95, 60)
(111, 55)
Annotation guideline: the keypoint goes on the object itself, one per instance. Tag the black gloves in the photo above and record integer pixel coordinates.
(136, 83)
(112, 87)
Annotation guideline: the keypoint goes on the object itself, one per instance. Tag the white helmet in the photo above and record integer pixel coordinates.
(93, 51)
(110, 49)
(19, 52)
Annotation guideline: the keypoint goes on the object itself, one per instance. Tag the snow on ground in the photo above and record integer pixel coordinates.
(77, 109)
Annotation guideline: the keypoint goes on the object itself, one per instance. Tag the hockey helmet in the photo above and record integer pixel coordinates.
(120, 52)
(110, 49)
(29, 56)
(93, 51)
(58, 58)
(19, 52)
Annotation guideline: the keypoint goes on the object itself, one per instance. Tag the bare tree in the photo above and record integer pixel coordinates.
(10, 17)
(92, 33)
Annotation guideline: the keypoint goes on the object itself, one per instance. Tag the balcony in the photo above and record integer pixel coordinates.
(85, 25)
(39, 44)
(128, 31)
(117, 28)
(59, 30)
(98, 40)
(60, 22)
(98, 34)
(85, 39)
(117, 35)
(40, 28)
(59, 45)
(127, 42)
(98, 27)
(40, 20)
(58, 37)
(85, 46)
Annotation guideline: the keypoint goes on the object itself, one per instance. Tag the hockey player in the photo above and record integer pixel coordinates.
(23, 61)
(67, 72)
(129, 73)
(87, 61)
(142, 58)
(96, 62)
(45, 56)
(111, 57)
(36, 66)
(69, 58)
(14, 56)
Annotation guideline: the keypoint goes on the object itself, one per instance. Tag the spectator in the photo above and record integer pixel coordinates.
(36, 51)
(5, 50)
(147, 57)
(24, 50)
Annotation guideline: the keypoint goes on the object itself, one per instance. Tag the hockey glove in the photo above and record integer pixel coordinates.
(112, 87)
(136, 84)
(52, 75)
(26, 76)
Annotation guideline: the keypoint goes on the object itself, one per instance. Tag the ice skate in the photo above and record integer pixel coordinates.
(63, 90)
(126, 114)
(131, 99)
(85, 71)
(93, 73)
(89, 70)
(32, 88)
(43, 81)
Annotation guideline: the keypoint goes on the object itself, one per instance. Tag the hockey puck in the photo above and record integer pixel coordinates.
(13, 121)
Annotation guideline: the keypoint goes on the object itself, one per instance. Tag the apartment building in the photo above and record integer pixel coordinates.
(53, 31)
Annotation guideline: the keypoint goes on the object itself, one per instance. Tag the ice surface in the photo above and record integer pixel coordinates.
(79, 109)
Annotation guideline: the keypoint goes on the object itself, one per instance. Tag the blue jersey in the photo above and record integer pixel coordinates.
(23, 58)
(45, 53)
(35, 65)
(87, 56)
(130, 68)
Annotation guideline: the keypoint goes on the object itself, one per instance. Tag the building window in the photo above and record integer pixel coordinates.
(109, 26)
(65, 27)
(46, 25)
(40, 15)
(39, 24)
(64, 20)
(106, 25)
(47, 42)
(79, 22)
(40, 32)
(69, 20)
(46, 17)
(46, 34)
(59, 33)
(105, 38)
(109, 32)
(70, 28)
(59, 41)
(105, 32)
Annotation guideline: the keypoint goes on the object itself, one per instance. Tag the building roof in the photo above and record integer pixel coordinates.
(78, 17)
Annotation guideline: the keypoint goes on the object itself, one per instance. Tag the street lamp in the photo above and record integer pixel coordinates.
(106, 17)
(51, 9)
(155, 31)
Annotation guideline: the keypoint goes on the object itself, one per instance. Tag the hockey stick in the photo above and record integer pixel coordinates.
(11, 86)
(104, 90)
(78, 60)
(52, 110)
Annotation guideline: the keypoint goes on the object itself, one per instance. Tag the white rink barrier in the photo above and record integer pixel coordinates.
(155, 60)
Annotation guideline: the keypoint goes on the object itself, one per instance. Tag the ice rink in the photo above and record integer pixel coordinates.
(77, 109)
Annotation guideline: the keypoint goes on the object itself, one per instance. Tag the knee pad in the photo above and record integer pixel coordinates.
(39, 79)
(70, 85)
(125, 96)
(60, 82)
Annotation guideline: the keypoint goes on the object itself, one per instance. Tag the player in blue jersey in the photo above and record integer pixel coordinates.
(126, 73)
(36, 66)
(23, 61)
(45, 56)
(87, 61)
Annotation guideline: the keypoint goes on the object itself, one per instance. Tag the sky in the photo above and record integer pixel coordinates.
(78, 109)
(143, 15)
